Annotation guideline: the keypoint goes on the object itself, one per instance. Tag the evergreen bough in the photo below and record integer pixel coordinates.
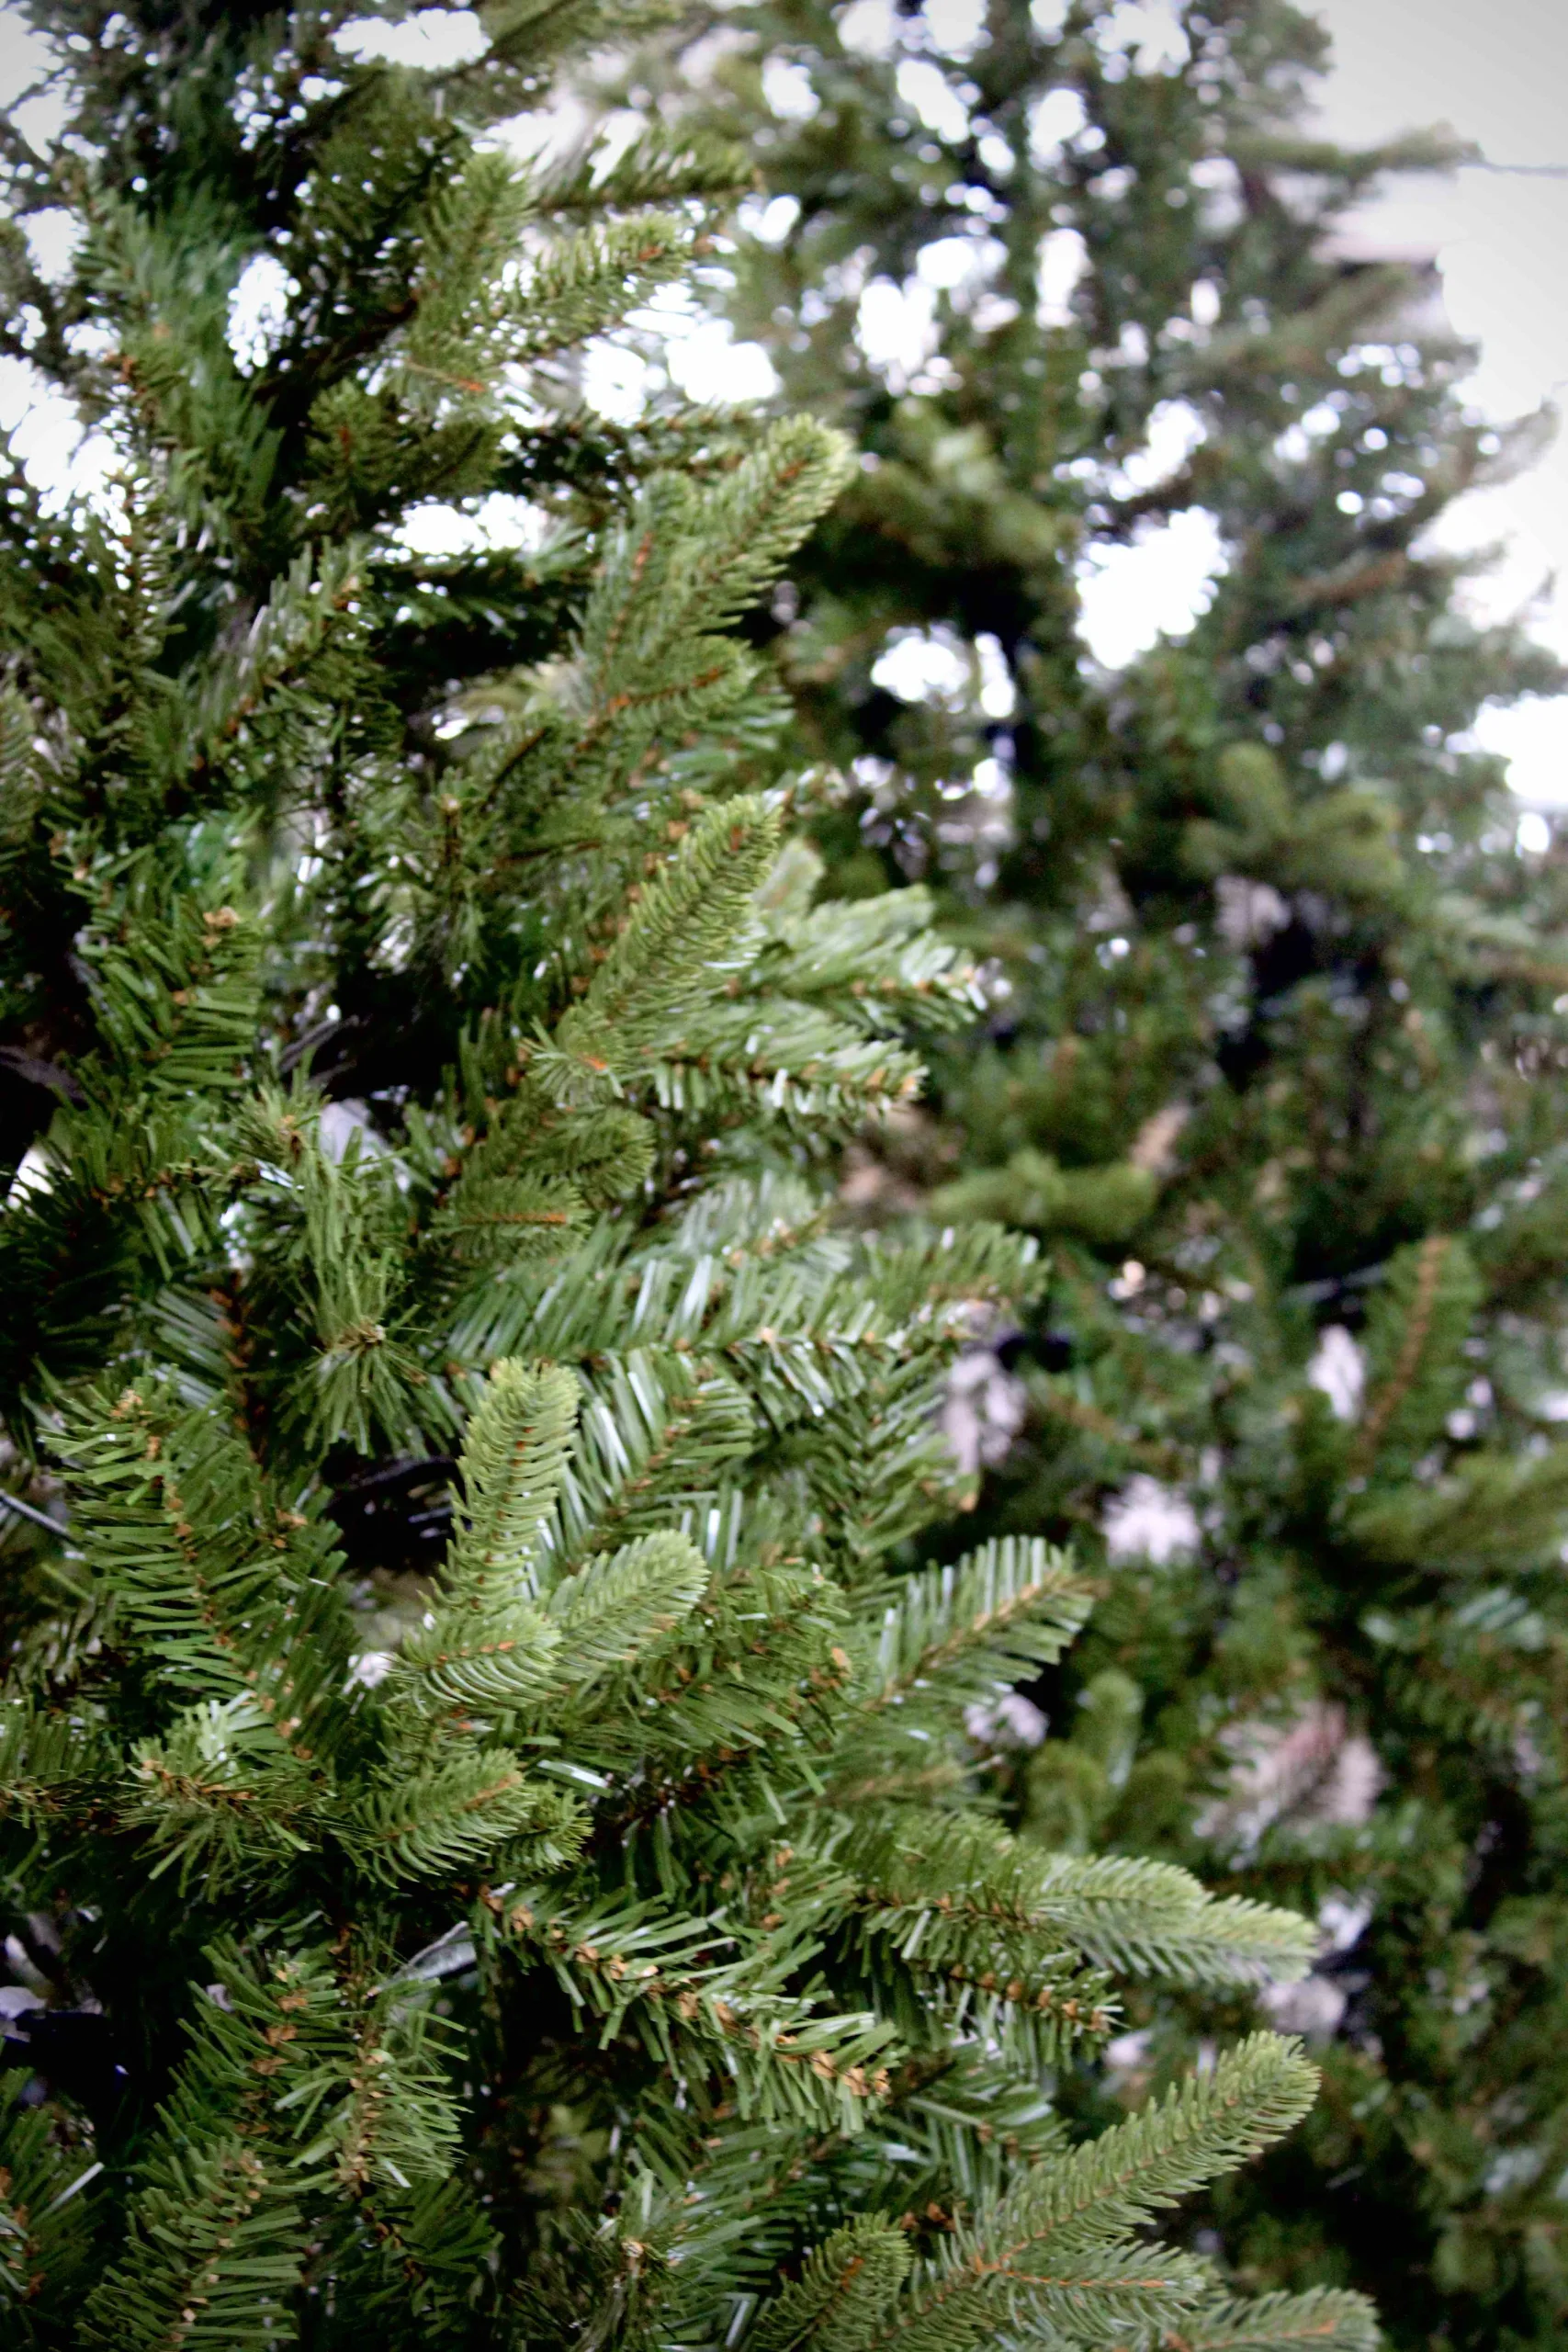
(493, 1851)
(1274, 1066)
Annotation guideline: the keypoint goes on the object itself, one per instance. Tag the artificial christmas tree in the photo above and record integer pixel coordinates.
(1276, 1032)
(493, 1852)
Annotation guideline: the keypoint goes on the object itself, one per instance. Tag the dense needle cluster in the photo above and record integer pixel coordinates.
(495, 1853)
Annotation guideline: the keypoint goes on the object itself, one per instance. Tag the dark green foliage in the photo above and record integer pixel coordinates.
(46, 2217)
(1276, 1041)
(495, 1849)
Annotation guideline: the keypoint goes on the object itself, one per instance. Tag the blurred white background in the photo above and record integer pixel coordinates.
(1499, 75)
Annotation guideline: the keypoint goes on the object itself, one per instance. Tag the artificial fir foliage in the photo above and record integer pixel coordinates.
(1273, 1064)
(493, 1850)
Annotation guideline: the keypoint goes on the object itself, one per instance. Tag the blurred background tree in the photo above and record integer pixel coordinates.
(1277, 1027)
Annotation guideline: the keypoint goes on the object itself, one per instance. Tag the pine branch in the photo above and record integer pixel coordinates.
(46, 2220)
(218, 2241)
(218, 2251)
(948, 1889)
(212, 1578)
(622, 1608)
(1335, 2321)
(653, 168)
(1060, 2235)
(955, 1634)
(687, 922)
(514, 1458)
(844, 2291)
(658, 1432)
(1421, 1315)
(595, 278)
(722, 2015)
(431, 1823)
(688, 561)
(425, 1039)
(220, 1796)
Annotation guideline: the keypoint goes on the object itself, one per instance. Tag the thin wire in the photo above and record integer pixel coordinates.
(30, 1511)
